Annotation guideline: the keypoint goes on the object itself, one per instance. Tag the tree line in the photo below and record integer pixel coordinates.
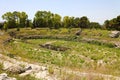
(47, 19)
(113, 24)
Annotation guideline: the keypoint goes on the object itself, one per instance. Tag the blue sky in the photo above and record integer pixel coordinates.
(95, 10)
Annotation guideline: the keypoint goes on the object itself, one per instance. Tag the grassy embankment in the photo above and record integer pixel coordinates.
(81, 56)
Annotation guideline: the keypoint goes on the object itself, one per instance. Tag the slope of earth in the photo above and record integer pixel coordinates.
(81, 61)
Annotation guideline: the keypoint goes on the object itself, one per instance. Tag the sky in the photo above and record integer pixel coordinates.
(95, 10)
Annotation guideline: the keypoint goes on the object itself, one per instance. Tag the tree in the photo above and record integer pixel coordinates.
(72, 21)
(10, 20)
(50, 20)
(29, 23)
(95, 25)
(23, 19)
(84, 22)
(107, 24)
(77, 22)
(57, 21)
(113, 24)
(15, 19)
(16, 16)
(68, 22)
(41, 19)
(7, 16)
(47, 19)
(34, 23)
(118, 22)
(1, 25)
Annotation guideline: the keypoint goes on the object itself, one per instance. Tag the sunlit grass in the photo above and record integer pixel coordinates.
(81, 56)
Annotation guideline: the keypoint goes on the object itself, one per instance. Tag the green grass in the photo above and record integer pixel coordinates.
(86, 33)
(94, 56)
(83, 56)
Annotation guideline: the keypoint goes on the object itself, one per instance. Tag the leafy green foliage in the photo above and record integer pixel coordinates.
(113, 24)
(95, 25)
(47, 19)
(15, 19)
(84, 22)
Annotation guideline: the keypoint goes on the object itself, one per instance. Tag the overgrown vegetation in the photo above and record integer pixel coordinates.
(98, 54)
(82, 56)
